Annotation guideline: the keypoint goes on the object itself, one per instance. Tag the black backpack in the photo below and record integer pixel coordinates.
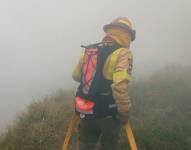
(94, 95)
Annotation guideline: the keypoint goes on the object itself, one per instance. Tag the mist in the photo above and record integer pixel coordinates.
(40, 42)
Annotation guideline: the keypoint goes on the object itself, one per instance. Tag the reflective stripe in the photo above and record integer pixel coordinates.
(121, 75)
(125, 22)
(112, 63)
(112, 105)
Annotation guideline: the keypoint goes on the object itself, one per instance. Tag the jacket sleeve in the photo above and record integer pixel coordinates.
(76, 74)
(121, 79)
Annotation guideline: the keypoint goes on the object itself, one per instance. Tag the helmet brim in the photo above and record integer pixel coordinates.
(120, 26)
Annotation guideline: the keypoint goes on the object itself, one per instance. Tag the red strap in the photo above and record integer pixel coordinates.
(89, 64)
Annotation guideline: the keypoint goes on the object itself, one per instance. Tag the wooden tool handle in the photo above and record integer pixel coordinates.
(130, 136)
(69, 132)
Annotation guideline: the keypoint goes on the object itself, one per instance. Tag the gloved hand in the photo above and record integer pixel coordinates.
(123, 117)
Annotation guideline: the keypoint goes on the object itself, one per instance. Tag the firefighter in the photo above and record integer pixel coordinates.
(102, 100)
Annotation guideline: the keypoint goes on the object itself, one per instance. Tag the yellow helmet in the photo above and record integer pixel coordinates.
(121, 23)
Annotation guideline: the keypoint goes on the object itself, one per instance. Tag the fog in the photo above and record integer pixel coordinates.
(40, 42)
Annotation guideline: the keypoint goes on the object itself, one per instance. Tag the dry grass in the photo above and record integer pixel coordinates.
(160, 118)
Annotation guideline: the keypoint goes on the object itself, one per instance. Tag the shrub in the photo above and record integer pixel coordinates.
(160, 117)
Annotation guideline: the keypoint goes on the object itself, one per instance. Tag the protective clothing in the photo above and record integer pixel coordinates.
(90, 131)
(115, 73)
(121, 77)
(120, 37)
(123, 117)
(121, 23)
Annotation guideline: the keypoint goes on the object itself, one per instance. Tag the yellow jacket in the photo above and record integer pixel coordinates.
(117, 68)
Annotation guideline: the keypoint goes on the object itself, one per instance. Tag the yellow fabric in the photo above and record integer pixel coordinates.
(81, 57)
(121, 75)
(77, 70)
(120, 36)
(120, 86)
(112, 63)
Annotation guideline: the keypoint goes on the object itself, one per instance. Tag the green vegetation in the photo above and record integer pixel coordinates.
(160, 116)
(162, 110)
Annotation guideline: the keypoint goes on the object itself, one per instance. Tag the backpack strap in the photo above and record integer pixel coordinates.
(89, 68)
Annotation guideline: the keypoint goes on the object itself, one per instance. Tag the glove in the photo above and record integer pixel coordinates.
(123, 117)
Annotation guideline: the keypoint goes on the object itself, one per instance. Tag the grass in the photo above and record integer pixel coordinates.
(160, 116)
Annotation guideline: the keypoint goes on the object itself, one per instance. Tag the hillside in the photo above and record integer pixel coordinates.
(160, 116)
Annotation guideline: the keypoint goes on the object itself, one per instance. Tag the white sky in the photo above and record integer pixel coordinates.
(40, 41)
